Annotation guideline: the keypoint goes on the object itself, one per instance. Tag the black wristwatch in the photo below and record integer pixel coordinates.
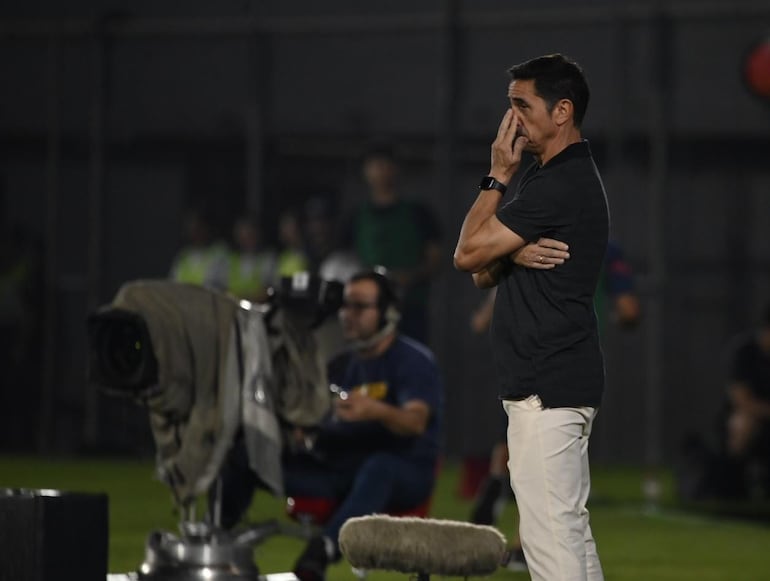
(490, 183)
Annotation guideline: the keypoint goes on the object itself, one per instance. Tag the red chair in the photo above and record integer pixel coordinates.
(315, 511)
(311, 511)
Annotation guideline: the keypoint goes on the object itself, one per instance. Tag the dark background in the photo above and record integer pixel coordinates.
(115, 116)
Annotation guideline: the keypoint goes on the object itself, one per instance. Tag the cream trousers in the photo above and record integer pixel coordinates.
(548, 464)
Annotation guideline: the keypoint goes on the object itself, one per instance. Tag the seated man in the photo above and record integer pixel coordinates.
(739, 467)
(378, 450)
(747, 437)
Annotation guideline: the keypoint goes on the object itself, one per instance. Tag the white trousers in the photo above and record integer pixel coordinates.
(548, 465)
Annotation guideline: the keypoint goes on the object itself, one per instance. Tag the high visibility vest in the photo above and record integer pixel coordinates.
(250, 275)
(201, 266)
(291, 262)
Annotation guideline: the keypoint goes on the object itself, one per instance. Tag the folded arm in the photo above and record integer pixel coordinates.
(490, 275)
(483, 238)
(544, 254)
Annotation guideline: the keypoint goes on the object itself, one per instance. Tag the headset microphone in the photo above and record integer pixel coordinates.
(387, 304)
(391, 318)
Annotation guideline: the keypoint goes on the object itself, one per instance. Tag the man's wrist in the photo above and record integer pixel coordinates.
(491, 183)
(499, 267)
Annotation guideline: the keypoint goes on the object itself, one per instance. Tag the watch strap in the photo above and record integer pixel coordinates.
(490, 183)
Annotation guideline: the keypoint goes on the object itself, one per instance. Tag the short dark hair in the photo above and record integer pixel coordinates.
(556, 77)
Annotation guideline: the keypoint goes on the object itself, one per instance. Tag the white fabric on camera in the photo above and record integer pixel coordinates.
(220, 368)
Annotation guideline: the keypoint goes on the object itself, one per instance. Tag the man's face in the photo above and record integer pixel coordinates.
(379, 172)
(247, 236)
(359, 314)
(535, 121)
(198, 233)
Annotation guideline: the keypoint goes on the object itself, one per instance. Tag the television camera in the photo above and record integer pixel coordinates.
(209, 368)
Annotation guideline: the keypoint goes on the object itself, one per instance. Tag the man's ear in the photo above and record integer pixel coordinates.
(563, 112)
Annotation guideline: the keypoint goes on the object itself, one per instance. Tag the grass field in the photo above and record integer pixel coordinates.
(636, 542)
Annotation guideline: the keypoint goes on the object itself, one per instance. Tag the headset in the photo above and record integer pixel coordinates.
(387, 305)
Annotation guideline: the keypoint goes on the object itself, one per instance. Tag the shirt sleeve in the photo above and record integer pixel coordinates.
(419, 380)
(538, 209)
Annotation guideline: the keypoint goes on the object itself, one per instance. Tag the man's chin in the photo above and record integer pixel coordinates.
(350, 335)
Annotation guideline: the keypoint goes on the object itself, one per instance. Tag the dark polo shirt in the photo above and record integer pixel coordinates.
(544, 330)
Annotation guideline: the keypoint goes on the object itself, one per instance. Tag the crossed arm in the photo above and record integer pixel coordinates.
(486, 247)
(484, 240)
(544, 254)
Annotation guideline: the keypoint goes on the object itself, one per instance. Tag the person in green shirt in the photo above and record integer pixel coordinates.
(399, 234)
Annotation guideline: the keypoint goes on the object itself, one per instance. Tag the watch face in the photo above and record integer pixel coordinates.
(490, 183)
(487, 183)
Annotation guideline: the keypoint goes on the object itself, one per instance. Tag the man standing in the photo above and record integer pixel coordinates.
(400, 234)
(544, 331)
(378, 450)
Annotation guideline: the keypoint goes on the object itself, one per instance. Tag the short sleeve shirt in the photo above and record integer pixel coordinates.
(544, 331)
(406, 371)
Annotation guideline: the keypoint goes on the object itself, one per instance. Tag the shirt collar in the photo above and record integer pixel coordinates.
(576, 150)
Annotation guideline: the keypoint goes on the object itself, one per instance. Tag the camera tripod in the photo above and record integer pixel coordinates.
(204, 551)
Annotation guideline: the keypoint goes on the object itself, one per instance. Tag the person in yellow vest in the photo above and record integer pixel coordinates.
(252, 267)
(204, 260)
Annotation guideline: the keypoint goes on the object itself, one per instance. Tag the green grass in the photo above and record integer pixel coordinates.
(636, 542)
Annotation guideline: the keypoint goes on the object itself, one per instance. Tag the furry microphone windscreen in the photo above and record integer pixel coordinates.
(417, 545)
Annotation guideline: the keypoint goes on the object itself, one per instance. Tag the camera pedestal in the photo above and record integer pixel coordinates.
(206, 553)
(201, 553)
